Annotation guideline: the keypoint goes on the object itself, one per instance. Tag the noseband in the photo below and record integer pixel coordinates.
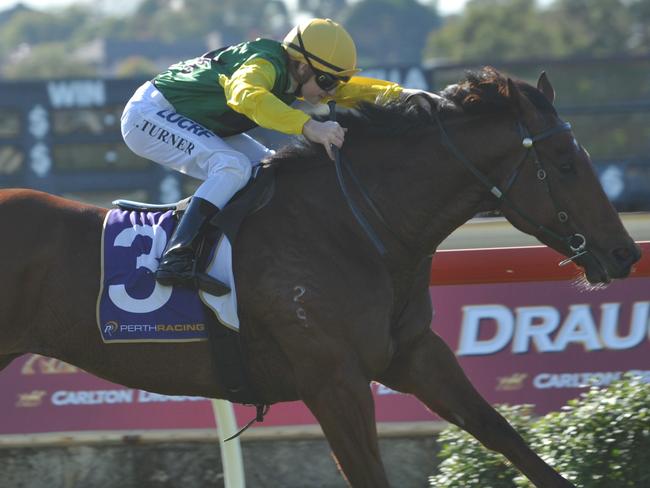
(576, 243)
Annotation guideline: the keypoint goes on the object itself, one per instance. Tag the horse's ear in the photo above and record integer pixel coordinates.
(519, 99)
(544, 85)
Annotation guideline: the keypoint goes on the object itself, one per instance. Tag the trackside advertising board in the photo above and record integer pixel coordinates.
(520, 340)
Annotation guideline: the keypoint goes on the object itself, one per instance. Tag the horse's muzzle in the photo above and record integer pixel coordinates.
(625, 258)
(615, 264)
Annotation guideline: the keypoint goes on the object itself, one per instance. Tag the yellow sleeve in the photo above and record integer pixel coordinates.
(248, 92)
(362, 89)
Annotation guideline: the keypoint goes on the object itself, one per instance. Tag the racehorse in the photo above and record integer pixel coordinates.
(322, 312)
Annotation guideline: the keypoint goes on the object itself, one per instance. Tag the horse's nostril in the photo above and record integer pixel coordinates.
(626, 255)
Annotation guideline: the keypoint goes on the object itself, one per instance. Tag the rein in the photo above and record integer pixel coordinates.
(577, 243)
(358, 214)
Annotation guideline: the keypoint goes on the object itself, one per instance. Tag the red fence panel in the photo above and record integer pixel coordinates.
(522, 329)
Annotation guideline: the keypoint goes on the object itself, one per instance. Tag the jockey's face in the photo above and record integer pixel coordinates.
(313, 93)
(310, 91)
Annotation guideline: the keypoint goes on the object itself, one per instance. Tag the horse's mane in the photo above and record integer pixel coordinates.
(486, 91)
(481, 92)
(367, 120)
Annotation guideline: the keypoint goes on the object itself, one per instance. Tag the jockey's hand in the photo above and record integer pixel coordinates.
(325, 133)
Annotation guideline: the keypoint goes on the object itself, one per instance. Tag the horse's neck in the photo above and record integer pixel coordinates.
(483, 141)
(396, 175)
(423, 190)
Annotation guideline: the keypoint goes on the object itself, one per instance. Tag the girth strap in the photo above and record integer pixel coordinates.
(230, 365)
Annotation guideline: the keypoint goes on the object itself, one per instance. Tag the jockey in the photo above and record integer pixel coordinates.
(192, 117)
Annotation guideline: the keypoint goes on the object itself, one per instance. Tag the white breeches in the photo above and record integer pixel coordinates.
(153, 130)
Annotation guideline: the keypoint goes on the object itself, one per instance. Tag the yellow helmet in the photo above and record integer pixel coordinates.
(324, 45)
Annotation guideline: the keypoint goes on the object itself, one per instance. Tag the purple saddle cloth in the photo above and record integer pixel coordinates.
(132, 306)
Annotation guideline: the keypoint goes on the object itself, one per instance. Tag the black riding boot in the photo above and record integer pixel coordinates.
(178, 263)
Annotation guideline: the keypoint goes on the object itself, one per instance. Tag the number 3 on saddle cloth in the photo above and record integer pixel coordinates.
(133, 307)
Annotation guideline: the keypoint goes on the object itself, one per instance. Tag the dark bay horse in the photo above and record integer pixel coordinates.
(322, 313)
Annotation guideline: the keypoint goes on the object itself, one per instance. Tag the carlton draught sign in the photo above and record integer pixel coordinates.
(544, 343)
(535, 342)
(544, 328)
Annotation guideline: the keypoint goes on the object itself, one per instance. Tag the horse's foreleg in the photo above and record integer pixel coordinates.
(429, 370)
(345, 410)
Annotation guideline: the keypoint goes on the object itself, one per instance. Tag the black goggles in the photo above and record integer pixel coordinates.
(325, 81)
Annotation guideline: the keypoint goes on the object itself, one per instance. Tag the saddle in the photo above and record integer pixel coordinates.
(254, 196)
(228, 355)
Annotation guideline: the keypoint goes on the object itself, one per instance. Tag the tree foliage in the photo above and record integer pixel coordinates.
(390, 31)
(593, 27)
(601, 440)
(386, 31)
(494, 29)
(34, 27)
(165, 21)
(328, 9)
(173, 20)
(490, 469)
(136, 66)
(49, 60)
(521, 29)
